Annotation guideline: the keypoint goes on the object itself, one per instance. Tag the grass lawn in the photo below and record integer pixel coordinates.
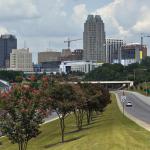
(140, 91)
(144, 85)
(110, 131)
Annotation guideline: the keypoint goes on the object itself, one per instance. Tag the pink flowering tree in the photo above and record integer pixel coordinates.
(23, 112)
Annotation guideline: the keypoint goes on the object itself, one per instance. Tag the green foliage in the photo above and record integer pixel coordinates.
(109, 131)
(10, 75)
(25, 106)
(146, 62)
(110, 72)
(19, 79)
(107, 72)
(22, 114)
(62, 101)
(97, 98)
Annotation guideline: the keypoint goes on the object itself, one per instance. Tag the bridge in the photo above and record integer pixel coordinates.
(129, 83)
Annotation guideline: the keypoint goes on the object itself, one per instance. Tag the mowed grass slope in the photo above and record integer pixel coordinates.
(109, 131)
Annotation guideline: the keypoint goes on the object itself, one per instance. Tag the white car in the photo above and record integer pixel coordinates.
(129, 104)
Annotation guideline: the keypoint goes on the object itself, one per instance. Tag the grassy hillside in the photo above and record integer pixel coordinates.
(110, 131)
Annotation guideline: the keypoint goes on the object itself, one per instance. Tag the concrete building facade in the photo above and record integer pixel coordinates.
(77, 54)
(7, 43)
(133, 53)
(82, 66)
(113, 50)
(48, 56)
(21, 60)
(51, 66)
(94, 39)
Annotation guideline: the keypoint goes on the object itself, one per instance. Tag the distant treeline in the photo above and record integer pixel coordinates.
(10, 75)
(135, 72)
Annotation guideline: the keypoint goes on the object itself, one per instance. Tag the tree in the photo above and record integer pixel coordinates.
(146, 62)
(19, 79)
(107, 72)
(79, 105)
(97, 99)
(10, 75)
(62, 101)
(23, 112)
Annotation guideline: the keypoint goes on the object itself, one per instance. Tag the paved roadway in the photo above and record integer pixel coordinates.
(140, 105)
(51, 117)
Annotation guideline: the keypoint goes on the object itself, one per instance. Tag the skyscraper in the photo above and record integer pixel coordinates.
(94, 39)
(7, 43)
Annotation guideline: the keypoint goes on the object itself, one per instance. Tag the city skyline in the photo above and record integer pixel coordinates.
(45, 25)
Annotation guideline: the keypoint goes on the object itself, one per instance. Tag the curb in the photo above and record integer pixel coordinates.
(50, 120)
(137, 121)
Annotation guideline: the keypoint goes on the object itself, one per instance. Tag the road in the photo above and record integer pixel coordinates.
(51, 117)
(140, 105)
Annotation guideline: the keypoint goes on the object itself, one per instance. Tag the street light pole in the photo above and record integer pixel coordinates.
(134, 75)
(123, 99)
(123, 108)
(146, 88)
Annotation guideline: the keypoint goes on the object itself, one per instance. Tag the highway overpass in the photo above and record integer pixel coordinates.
(129, 83)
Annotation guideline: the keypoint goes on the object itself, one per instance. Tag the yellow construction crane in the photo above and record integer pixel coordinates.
(69, 41)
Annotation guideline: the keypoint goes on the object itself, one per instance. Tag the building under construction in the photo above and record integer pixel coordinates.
(133, 53)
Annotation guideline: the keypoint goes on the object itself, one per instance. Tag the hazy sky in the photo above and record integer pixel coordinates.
(46, 24)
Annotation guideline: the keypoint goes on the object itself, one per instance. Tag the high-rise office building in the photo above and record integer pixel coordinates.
(94, 39)
(7, 43)
(113, 48)
(21, 60)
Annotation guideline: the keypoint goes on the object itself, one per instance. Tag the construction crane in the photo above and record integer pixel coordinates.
(69, 41)
(142, 37)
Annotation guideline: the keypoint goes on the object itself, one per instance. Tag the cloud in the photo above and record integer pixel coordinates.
(3, 30)
(143, 24)
(124, 18)
(112, 25)
(41, 21)
(18, 9)
(79, 14)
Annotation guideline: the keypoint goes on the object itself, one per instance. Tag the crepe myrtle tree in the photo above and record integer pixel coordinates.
(23, 112)
(97, 98)
(62, 101)
(79, 105)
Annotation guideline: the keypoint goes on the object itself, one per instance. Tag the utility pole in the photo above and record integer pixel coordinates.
(134, 75)
(123, 99)
(146, 88)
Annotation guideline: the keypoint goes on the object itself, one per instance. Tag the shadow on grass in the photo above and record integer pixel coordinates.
(66, 141)
(74, 131)
(52, 145)
(85, 127)
(74, 139)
